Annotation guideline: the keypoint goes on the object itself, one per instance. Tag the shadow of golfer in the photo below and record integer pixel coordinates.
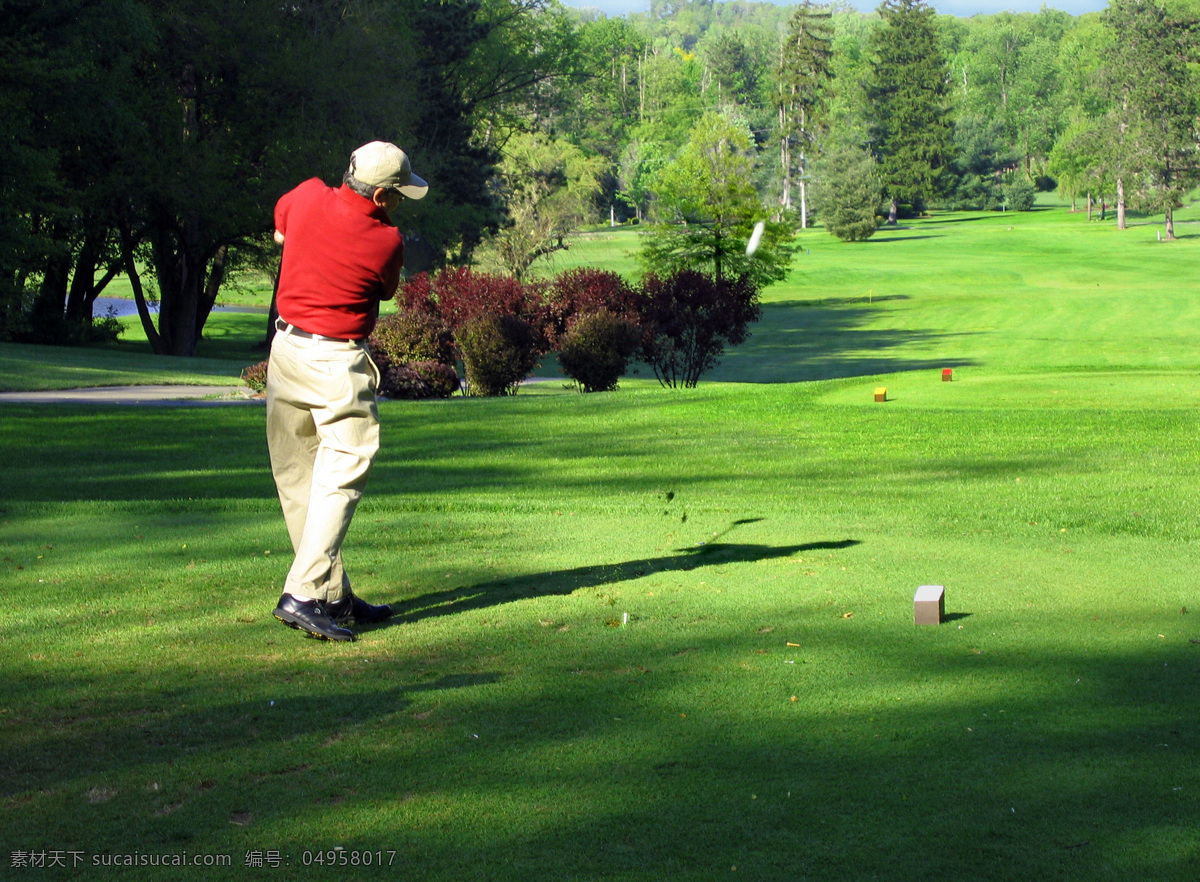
(499, 591)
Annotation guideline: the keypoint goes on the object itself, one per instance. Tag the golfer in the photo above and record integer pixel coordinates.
(341, 257)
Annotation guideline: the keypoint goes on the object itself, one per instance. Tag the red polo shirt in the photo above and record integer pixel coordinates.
(341, 256)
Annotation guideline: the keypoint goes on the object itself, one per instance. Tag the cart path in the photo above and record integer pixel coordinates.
(163, 394)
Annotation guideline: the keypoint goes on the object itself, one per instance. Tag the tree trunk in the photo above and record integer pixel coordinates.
(785, 163)
(179, 261)
(1120, 204)
(802, 168)
(1170, 222)
(642, 87)
(79, 304)
(717, 253)
(139, 295)
(212, 287)
(46, 316)
(1090, 203)
(893, 212)
(179, 266)
(85, 288)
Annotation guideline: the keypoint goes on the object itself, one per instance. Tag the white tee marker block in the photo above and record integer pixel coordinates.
(929, 605)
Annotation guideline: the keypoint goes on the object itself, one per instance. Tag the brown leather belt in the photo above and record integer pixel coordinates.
(287, 328)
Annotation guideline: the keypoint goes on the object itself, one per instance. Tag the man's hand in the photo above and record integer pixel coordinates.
(278, 238)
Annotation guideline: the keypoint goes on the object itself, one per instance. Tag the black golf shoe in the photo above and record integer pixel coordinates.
(311, 617)
(351, 606)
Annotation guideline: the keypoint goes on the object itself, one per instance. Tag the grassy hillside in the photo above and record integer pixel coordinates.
(661, 634)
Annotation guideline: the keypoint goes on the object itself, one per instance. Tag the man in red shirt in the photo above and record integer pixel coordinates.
(341, 257)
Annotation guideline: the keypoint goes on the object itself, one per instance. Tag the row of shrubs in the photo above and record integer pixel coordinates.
(499, 328)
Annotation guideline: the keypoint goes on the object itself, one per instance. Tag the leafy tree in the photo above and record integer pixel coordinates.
(669, 104)
(850, 109)
(1081, 158)
(548, 188)
(469, 74)
(846, 193)
(62, 175)
(185, 123)
(981, 156)
(1007, 72)
(224, 92)
(708, 203)
(908, 90)
(733, 69)
(606, 99)
(688, 318)
(188, 120)
(1037, 107)
(1077, 161)
(1158, 104)
(509, 80)
(640, 164)
(804, 79)
(682, 22)
(1082, 55)
(600, 107)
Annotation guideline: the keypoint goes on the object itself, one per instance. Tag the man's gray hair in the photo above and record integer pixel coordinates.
(357, 186)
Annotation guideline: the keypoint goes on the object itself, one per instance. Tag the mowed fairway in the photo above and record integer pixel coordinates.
(658, 634)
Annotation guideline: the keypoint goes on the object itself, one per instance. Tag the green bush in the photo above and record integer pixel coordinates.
(105, 329)
(596, 350)
(255, 377)
(846, 193)
(498, 352)
(1019, 193)
(973, 193)
(412, 335)
(1045, 184)
(413, 380)
(415, 353)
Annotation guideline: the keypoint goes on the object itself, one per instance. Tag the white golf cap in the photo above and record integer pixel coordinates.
(380, 164)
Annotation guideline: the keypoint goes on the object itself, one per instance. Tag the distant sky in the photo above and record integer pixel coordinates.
(962, 8)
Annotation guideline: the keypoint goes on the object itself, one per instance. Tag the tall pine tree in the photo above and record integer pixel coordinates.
(913, 132)
(804, 76)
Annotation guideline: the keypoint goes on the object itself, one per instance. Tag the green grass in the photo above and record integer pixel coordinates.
(30, 368)
(768, 704)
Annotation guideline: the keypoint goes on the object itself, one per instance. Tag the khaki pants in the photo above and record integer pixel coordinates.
(323, 434)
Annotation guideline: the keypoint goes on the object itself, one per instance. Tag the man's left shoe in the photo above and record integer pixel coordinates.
(354, 607)
(312, 617)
